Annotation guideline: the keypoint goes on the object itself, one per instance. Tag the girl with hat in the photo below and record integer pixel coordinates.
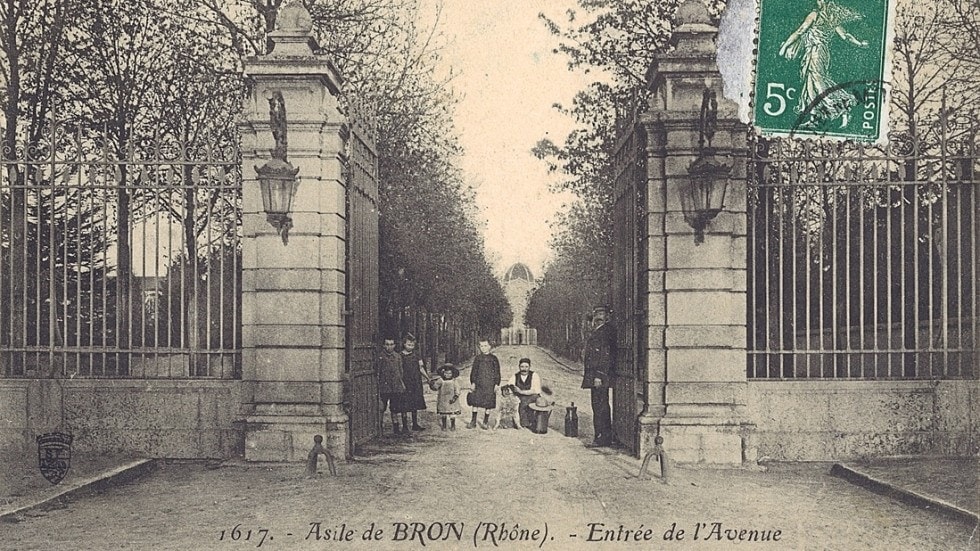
(447, 401)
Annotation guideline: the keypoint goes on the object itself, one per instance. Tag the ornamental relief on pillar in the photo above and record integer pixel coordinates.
(306, 100)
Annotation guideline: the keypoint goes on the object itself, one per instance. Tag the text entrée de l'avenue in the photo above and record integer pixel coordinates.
(496, 534)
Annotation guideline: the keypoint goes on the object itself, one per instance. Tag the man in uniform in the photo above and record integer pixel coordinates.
(599, 359)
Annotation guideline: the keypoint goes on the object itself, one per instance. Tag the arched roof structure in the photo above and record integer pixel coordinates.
(519, 271)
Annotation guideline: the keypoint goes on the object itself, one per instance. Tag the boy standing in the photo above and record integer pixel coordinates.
(390, 384)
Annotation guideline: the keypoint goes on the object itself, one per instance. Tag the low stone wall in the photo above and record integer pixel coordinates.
(832, 420)
(149, 418)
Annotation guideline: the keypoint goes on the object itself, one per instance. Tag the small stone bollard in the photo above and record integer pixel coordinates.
(314, 455)
(661, 455)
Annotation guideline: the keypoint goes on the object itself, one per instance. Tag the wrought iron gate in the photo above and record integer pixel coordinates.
(362, 278)
(863, 261)
(628, 285)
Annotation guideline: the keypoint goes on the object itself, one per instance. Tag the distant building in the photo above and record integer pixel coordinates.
(518, 286)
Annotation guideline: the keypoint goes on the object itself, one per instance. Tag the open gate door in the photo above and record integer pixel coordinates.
(629, 275)
(361, 392)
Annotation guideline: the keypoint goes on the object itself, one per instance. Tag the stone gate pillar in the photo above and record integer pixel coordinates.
(293, 294)
(696, 330)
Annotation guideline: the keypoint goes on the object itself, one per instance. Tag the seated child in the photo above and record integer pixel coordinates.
(507, 410)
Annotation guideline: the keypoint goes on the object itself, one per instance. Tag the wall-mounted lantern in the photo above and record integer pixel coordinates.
(704, 196)
(277, 177)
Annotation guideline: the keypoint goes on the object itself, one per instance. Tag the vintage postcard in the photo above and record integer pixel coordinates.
(531, 276)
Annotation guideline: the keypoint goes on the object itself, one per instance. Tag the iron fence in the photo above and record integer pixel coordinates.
(119, 257)
(863, 260)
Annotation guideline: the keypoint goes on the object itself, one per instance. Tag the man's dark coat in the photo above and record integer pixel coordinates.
(600, 356)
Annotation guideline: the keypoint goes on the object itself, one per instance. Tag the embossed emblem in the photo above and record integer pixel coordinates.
(54, 455)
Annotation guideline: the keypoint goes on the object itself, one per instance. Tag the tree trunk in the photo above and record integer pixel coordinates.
(123, 265)
(192, 327)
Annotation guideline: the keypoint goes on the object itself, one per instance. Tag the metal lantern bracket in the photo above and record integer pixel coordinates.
(704, 196)
(277, 177)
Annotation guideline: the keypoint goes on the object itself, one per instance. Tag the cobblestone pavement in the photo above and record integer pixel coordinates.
(485, 489)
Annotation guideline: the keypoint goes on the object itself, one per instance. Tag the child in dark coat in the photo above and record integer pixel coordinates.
(413, 372)
(485, 377)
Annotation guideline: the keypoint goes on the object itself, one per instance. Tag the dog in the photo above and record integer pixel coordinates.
(507, 409)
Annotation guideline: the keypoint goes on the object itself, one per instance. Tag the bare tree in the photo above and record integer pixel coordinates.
(33, 69)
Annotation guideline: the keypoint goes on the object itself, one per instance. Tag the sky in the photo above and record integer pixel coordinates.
(508, 79)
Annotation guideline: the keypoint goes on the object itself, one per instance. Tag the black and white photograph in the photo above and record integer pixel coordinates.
(489, 274)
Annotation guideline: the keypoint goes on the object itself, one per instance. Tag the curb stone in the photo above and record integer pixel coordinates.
(905, 496)
(557, 360)
(118, 475)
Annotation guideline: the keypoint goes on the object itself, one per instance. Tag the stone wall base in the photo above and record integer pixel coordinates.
(836, 420)
(172, 418)
(695, 441)
(290, 437)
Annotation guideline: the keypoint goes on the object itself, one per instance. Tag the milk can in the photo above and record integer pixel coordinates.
(571, 421)
(542, 408)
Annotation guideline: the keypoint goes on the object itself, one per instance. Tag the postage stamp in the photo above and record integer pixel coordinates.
(823, 68)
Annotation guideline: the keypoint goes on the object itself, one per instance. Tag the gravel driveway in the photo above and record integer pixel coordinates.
(504, 489)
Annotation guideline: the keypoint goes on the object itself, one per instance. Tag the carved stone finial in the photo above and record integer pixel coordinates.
(293, 36)
(693, 11)
(294, 17)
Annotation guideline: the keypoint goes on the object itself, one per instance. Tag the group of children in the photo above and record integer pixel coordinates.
(448, 408)
(400, 376)
(519, 401)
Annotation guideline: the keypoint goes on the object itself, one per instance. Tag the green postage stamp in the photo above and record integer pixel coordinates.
(823, 68)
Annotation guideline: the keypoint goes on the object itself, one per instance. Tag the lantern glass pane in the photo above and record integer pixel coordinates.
(288, 193)
(280, 196)
(266, 195)
(701, 193)
(717, 195)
